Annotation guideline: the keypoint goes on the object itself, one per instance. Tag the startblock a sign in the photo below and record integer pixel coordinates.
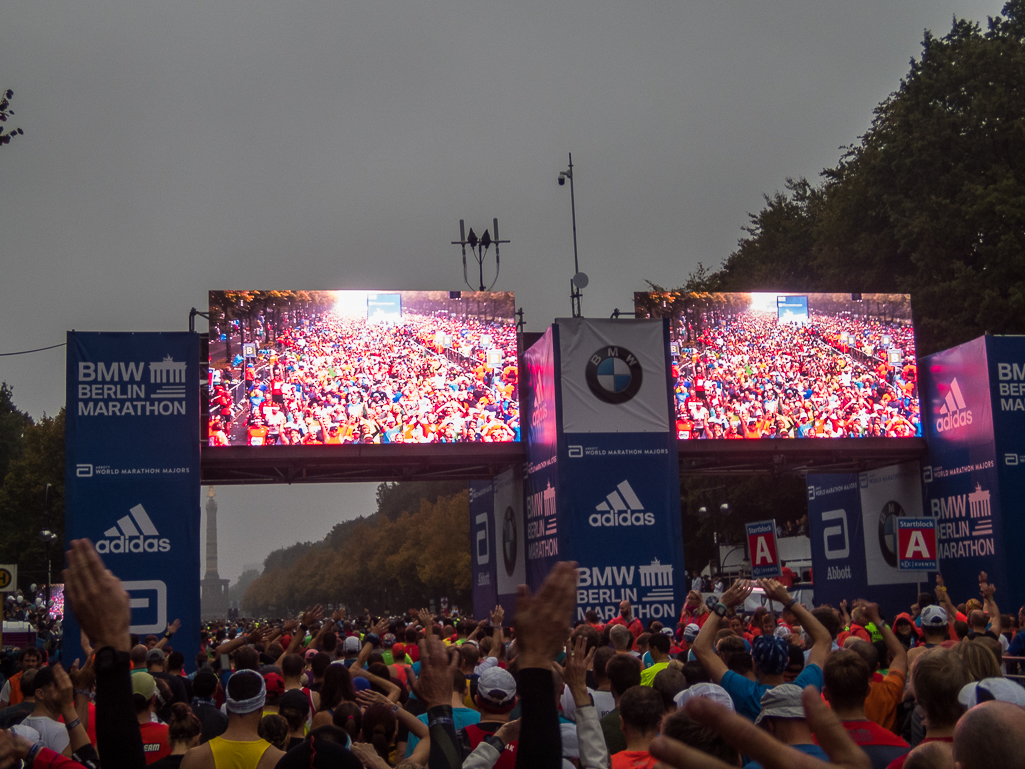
(761, 545)
(916, 544)
(132, 471)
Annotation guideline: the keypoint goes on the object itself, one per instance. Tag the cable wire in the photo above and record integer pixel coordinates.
(26, 352)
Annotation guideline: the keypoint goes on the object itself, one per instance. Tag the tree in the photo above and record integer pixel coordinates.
(930, 202)
(5, 114)
(13, 424)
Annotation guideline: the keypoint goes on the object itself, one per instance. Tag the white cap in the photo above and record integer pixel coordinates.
(1001, 689)
(712, 692)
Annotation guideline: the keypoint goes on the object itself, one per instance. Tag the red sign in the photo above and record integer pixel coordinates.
(916, 544)
(761, 548)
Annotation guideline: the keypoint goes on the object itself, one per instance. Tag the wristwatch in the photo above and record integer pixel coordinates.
(721, 609)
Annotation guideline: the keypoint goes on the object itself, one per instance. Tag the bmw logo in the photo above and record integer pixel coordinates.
(614, 374)
(888, 530)
(509, 541)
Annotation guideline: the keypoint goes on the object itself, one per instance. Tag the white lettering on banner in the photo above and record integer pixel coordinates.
(1006, 371)
(115, 371)
(835, 553)
(621, 507)
(954, 412)
(965, 529)
(483, 553)
(610, 611)
(620, 575)
(124, 400)
(1012, 404)
(762, 554)
(838, 572)
(148, 594)
(916, 545)
(134, 533)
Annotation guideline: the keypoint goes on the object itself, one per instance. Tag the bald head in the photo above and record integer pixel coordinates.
(625, 609)
(931, 755)
(989, 735)
(978, 620)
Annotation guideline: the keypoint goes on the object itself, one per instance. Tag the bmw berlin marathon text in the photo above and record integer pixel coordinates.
(117, 389)
(602, 589)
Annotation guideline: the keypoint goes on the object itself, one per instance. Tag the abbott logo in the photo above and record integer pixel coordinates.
(148, 601)
(134, 533)
(483, 540)
(83, 471)
(621, 508)
(838, 548)
(954, 412)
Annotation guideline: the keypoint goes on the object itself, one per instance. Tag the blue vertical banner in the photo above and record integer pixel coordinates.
(132, 472)
(482, 546)
(618, 492)
(960, 478)
(837, 544)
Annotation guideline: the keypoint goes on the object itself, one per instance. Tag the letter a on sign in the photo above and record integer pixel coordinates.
(761, 546)
(916, 544)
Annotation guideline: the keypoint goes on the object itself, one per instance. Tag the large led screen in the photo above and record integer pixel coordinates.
(789, 365)
(344, 367)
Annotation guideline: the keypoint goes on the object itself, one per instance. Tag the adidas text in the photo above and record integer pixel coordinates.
(953, 421)
(134, 545)
(626, 518)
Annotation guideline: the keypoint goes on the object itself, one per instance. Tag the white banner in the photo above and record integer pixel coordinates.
(613, 375)
(887, 494)
(510, 548)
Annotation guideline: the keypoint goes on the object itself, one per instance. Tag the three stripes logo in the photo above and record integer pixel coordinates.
(621, 508)
(134, 533)
(954, 412)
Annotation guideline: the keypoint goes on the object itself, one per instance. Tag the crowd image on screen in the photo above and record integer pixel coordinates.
(430, 377)
(746, 374)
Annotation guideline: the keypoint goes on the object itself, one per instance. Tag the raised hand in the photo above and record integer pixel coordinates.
(172, 627)
(543, 619)
(774, 590)
(435, 681)
(871, 612)
(575, 673)
(82, 677)
(289, 625)
(312, 615)
(96, 596)
(497, 616)
(380, 628)
(737, 593)
(509, 731)
(369, 697)
(425, 617)
(65, 694)
(338, 615)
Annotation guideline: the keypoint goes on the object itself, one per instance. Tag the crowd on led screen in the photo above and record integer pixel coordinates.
(773, 365)
(343, 367)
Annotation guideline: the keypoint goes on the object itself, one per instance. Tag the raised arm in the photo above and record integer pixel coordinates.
(822, 640)
(943, 599)
(172, 628)
(893, 644)
(989, 604)
(703, 647)
(497, 641)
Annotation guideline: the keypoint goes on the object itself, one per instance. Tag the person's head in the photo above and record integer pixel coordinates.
(937, 677)
(294, 707)
(602, 657)
(622, 639)
(184, 729)
(246, 694)
(337, 687)
(138, 654)
(144, 692)
(737, 625)
(587, 632)
(469, 657)
(730, 644)
(925, 599)
(828, 619)
(624, 672)
(155, 660)
(318, 665)
(989, 735)
(151, 641)
(695, 673)
(931, 755)
(658, 645)
(978, 620)
(668, 683)
(625, 610)
(204, 684)
(769, 655)
(993, 645)
(846, 676)
(795, 663)
(45, 685)
(782, 714)
(679, 726)
(934, 624)
(349, 716)
(292, 667)
(979, 661)
(247, 658)
(31, 658)
(640, 711)
(28, 684)
(867, 652)
(324, 748)
(496, 691)
(274, 729)
(175, 662)
(351, 647)
(275, 687)
(961, 629)
(379, 728)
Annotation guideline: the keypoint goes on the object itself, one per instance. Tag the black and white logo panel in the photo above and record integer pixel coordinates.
(614, 375)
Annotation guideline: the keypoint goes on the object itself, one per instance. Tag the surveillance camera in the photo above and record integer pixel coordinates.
(562, 180)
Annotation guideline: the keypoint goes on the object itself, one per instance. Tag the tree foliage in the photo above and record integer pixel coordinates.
(930, 202)
(415, 547)
(7, 133)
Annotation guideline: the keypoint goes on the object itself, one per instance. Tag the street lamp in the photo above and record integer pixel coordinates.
(48, 537)
(579, 279)
(724, 511)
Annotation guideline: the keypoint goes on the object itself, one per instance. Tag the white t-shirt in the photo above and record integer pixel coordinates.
(52, 734)
(5, 693)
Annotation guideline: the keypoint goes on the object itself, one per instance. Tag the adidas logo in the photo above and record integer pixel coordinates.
(954, 412)
(621, 508)
(134, 533)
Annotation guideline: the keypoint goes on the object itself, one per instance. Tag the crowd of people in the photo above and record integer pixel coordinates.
(789, 687)
(333, 380)
(751, 376)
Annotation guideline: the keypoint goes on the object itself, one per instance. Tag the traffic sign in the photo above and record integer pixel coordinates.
(761, 548)
(916, 544)
(8, 577)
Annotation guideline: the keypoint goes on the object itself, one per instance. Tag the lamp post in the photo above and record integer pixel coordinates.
(48, 538)
(579, 279)
(704, 512)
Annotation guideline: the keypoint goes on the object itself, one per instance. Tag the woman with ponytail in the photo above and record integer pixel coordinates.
(183, 731)
(337, 688)
(349, 716)
(378, 729)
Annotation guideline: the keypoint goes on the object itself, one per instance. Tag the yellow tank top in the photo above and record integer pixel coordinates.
(232, 754)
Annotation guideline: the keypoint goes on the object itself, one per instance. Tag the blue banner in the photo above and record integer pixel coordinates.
(837, 544)
(482, 551)
(133, 473)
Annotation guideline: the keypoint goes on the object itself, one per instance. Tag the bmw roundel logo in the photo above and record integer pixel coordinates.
(888, 530)
(614, 374)
(510, 543)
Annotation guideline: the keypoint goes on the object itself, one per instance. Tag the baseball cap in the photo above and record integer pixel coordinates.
(388, 640)
(496, 686)
(934, 616)
(691, 632)
(142, 683)
(351, 645)
(275, 684)
(155, 655)
(295, 699)
(667, 631)
(712, 692)
(987, 689)
(770, 654)
(783, 701)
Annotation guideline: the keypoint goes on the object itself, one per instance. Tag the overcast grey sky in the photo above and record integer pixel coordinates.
(178, 146)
